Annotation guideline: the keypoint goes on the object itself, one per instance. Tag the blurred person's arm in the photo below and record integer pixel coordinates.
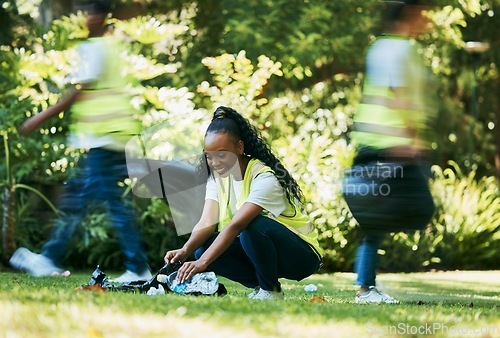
(64, 104)
(91, 56)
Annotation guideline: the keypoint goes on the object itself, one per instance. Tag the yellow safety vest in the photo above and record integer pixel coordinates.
(105, 109)
(384, 121)
(299, 222)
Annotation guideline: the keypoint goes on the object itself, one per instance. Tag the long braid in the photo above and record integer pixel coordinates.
(227, 120)
(202, 171)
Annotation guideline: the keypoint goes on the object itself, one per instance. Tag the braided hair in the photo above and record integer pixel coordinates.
(227, 120)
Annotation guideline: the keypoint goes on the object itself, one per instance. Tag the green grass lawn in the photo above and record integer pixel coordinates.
(442, 304)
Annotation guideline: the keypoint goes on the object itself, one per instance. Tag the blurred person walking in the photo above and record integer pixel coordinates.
(103, 122)
(387, 189)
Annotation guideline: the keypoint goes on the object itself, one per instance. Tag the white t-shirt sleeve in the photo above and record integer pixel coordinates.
(211, 192)
(387, 64)
(266, 192)
(90, 62)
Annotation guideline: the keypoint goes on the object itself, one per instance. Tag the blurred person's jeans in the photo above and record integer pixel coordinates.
(367, 260)
(96, 180)
(265, 251)
(408, 206)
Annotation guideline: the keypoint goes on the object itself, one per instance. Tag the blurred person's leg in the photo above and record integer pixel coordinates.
(367, 260)
(108, 170)
(72, 210)
(365, 267)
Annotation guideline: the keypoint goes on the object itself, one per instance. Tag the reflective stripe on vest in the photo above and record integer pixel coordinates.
(105, 108)
(384, 120)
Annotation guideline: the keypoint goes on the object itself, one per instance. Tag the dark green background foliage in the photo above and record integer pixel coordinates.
(295, 68)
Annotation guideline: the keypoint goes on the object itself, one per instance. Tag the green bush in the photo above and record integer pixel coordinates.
(467, 218)
(97, 243)
(464, 232)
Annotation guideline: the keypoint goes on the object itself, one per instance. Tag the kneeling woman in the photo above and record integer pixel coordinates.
(252, 229)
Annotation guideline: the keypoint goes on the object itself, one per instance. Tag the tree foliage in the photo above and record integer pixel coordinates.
(294, 67)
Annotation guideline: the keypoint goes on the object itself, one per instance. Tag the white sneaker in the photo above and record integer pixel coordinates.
(373, 295)
(272, 295)
(254, 293)
(130, 276)
(35, 264)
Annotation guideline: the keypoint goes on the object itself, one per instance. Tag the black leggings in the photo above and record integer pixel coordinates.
(265, 251)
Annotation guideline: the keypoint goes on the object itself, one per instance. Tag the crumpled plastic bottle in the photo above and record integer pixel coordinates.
(156, 291)
(310, 288)
(180, 288)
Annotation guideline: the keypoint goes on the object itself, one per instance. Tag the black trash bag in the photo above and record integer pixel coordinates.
(99, 278)
(145, 286)
(98, 281)
(197, 285)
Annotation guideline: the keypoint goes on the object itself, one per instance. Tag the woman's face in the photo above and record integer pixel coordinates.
(222, 152)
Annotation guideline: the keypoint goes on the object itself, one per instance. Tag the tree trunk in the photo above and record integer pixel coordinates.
(9, 224)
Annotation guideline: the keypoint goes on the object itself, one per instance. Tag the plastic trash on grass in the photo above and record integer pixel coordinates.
(204, 283)
(310, 288)
(164, 281)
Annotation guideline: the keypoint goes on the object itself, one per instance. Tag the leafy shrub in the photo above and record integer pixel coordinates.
(467, 218)
(464, 232)
(97, 244)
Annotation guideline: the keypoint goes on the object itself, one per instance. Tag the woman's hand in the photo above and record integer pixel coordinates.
(178, 255)
(188, 269)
